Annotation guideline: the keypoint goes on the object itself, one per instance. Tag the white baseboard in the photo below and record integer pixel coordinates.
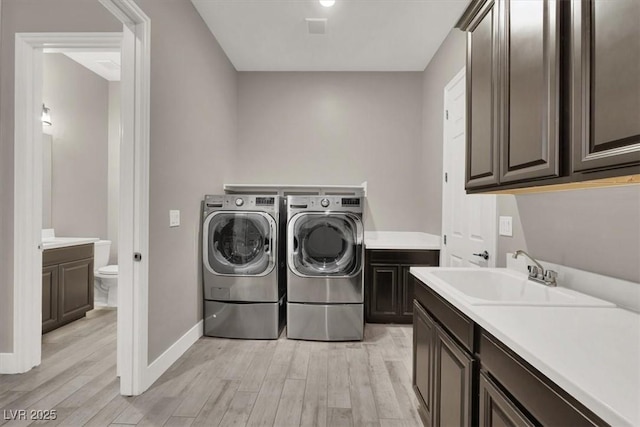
(173, 353)
(8, 363)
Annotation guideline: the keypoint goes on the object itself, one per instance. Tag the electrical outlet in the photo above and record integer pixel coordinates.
(174, 218)
(506, 226)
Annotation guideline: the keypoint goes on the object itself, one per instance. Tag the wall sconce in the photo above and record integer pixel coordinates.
(46, 116)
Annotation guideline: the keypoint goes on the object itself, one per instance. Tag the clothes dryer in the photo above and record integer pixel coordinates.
(325, 253)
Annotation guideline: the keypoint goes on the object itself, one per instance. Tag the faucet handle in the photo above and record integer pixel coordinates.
(550, 277)
(533, 271)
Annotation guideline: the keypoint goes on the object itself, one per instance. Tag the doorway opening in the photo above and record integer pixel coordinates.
(133, 45)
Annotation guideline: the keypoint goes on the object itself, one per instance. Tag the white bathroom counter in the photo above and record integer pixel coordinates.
(401, 240)
(593, 353)
(63, 242)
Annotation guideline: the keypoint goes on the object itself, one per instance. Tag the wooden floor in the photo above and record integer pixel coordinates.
(221, 382)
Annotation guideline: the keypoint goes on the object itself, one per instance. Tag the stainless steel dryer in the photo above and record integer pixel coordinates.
(243, 266)
(325, 287)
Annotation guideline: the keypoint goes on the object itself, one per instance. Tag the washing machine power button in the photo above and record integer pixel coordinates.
(324, 203)
(239, 202)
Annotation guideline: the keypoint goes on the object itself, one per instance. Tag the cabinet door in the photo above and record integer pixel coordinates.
(383, 300)
(496, 409)
(482, 97)
(405, 298)
(605, 84)
(49, 298)
(452, 385)
(75, 290)
(529, 90)
(424, 338)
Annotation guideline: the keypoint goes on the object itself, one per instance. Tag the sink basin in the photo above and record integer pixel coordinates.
(505, 287)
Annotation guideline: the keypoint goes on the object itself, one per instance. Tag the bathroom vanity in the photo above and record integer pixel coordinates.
(67, 284)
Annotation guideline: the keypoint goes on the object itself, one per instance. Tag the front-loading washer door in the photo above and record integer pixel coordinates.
(325, 244)
(239, 243)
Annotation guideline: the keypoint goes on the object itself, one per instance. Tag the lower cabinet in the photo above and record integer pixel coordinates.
(464, 376)
(497, 409)
(49, 298)
(442, 374)
(452, 382)
(389, 285)
(424, 339)
(67, 285)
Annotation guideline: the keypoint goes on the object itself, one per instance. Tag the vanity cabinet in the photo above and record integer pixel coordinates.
(464, 376)
(49, 298)
(553, 92)
(67, 285)
(389, 285)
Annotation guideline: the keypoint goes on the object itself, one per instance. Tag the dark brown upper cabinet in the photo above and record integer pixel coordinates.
(482, 98)
(553, 92)
(605, 83)
(529, 90)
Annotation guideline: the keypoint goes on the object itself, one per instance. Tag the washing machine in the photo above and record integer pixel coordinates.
(325, 254)
(243, 260)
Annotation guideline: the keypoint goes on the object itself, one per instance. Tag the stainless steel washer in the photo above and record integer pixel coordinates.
(243, 266)
(325, 288)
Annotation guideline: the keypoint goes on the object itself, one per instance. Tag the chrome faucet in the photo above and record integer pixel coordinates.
(537, 273)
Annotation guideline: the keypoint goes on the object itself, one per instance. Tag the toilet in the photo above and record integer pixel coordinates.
(105, 281)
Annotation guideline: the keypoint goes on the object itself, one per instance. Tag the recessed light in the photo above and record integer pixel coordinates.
(327, 3)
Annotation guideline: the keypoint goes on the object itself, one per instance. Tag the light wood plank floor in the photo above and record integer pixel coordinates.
(221, 382)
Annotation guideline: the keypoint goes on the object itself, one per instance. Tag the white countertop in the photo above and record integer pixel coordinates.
(63, 242)
(593, 353)
(407, 240)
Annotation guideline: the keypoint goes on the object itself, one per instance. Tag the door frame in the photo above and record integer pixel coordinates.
(133, 236)
(493, 244)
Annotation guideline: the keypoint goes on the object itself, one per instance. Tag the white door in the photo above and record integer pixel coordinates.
(468, 221)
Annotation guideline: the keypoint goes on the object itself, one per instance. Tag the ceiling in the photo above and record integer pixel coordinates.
(105, 64)
(361, 35)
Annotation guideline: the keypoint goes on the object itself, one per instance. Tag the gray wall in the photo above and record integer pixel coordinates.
(193, 130)
(595, 230)
(28, 16)
(446, 63)
(113, 173)
(336, 128)
(78, 99)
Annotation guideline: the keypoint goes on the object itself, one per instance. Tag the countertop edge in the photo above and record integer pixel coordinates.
(401, 240)
(58, 245)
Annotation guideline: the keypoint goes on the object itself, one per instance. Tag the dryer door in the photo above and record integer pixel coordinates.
(325, 244)
(239, 243)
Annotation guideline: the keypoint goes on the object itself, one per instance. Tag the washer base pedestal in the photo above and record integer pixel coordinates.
(325, 322)
(244, 320)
